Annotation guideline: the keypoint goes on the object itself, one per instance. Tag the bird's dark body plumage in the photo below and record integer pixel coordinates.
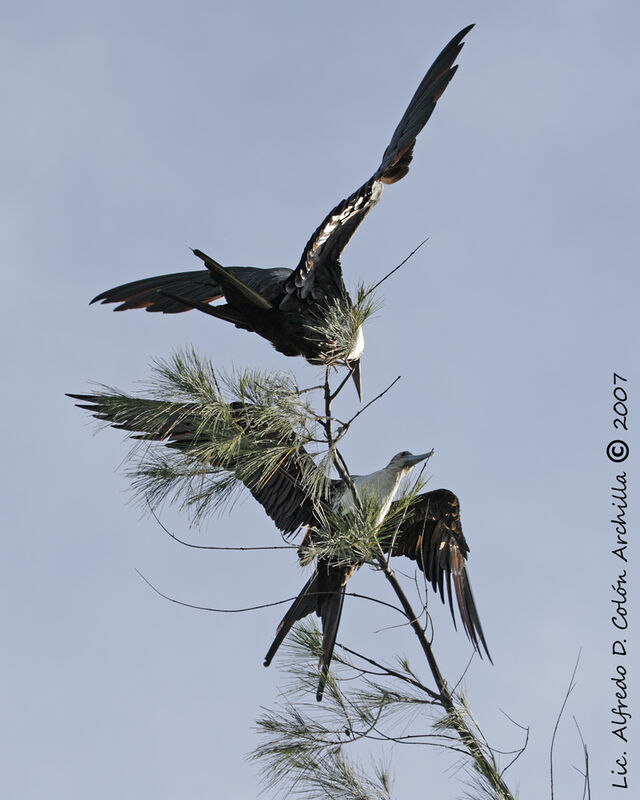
(294, 301)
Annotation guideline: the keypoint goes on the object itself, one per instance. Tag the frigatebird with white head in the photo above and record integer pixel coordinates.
(324, 591)
(428, 531)
(289, 307)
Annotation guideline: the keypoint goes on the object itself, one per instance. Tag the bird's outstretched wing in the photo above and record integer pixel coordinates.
(196, 285)
(281, 494)
(182, 291)
(319, 273)
(430, 533)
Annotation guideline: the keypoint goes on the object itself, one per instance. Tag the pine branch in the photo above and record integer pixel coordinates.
(336, 324)
(217, 431)
(487, 771)
(298, 735)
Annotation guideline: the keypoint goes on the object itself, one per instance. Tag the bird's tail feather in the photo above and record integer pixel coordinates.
(330, 613)
(322, 595)
(305, 603)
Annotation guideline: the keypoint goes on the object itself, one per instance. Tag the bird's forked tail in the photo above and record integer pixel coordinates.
(324, 594)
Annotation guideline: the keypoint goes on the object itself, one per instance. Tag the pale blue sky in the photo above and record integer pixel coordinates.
(133, 131)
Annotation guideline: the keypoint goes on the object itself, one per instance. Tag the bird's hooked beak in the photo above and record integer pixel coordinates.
(354, 367)
(412, 460)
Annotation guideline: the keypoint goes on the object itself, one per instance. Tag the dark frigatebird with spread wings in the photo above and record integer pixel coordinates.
(286, 306)
(429, 531)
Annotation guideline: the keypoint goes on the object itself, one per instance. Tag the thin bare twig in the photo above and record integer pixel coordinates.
(555, 727)
(388, 671)
(214, 547)
(374, 600)
(310, 389)
(524, 728)
(411, 739)
(207, 608)
(343, 469)
(255, 608)
(341, 385)
(346, 425)
(365, 734)
(586, 790)
(401, 264)
(464, 672)
(337, 459)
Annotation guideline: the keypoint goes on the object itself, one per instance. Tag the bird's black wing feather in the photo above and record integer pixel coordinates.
(280, 494)
(398, 155)
(197, 285)
(430, 533)
(181, 291)
(319, 272)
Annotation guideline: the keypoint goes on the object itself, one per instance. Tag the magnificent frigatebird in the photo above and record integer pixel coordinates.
(429, 531)
(290, 307)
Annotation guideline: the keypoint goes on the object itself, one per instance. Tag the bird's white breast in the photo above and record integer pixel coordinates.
(381, 484)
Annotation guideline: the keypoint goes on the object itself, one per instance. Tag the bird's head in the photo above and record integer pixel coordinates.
(402, 462)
